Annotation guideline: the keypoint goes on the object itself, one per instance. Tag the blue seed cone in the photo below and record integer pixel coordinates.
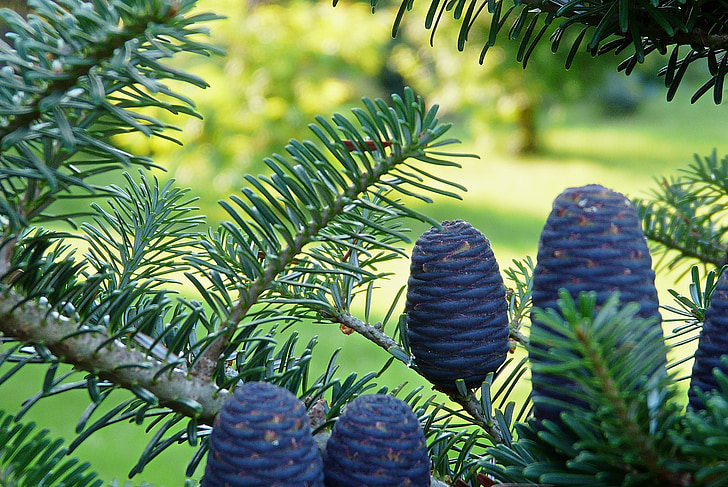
(592, 241)
(712, 344)
(457, 314)
(377, 442)
(261, 437)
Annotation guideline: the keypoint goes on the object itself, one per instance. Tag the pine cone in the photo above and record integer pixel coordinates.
(457, 314)
(262, 438)
(592, 241)
(377, 441)
(712, 344)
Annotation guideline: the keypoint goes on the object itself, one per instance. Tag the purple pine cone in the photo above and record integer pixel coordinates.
(262, 438)
(457, 314)
(377, 442)
(592, 241)
(712, 345)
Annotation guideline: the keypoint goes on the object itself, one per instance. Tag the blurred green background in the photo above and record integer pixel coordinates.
(536, 132)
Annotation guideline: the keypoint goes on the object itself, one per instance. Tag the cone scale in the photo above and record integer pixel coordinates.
(457, 314)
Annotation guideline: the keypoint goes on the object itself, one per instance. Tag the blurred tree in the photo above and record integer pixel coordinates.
(490, 88)
(285, 63)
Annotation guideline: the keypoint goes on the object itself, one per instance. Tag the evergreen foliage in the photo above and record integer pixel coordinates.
(616, 429)
(306, 241)
(688, 31)
(29, 459)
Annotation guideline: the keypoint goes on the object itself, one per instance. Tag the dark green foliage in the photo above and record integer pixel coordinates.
(686, 214)
(457, 321)
(591, 242)
(703, 442)
(377, 442)
(32, 459)
(616, 421)
(689, 31)
(261, 437)
(713, 344)
(67, 88)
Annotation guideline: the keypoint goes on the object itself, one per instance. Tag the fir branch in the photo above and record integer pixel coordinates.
(623, 413)
(613, 26)
(469, 402)
(99, 49)
(617, 417)
(686, 215)
(248, 297)
(206, 363)
(372, 333)
(698, 37)
(519, 297)
(70, 85)
(33, 458)
(92, 350)
(328, 204)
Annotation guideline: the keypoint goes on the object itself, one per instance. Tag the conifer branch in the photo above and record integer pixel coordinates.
(248, 297)
(91, 350)
(608, 26)
(697, 37)
(333, 206)
(623, 412)
(669, 242)
(101, 50)
(469, 403)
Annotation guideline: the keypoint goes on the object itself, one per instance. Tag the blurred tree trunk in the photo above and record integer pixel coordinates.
(527, 127)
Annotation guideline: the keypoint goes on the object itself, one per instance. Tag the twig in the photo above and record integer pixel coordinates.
(469, 403)
(518, 336)
(371, 333)
(697, 37)
(92, 351)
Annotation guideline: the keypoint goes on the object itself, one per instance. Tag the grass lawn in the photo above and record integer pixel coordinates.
(509, 199)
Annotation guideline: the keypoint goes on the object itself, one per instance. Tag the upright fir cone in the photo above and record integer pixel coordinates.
(377, 442)
(592, 241)
(261, 438)
(712, 345)
(457, 314)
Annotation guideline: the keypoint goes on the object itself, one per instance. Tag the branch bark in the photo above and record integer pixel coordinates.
(91, 351)
(469, 403)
